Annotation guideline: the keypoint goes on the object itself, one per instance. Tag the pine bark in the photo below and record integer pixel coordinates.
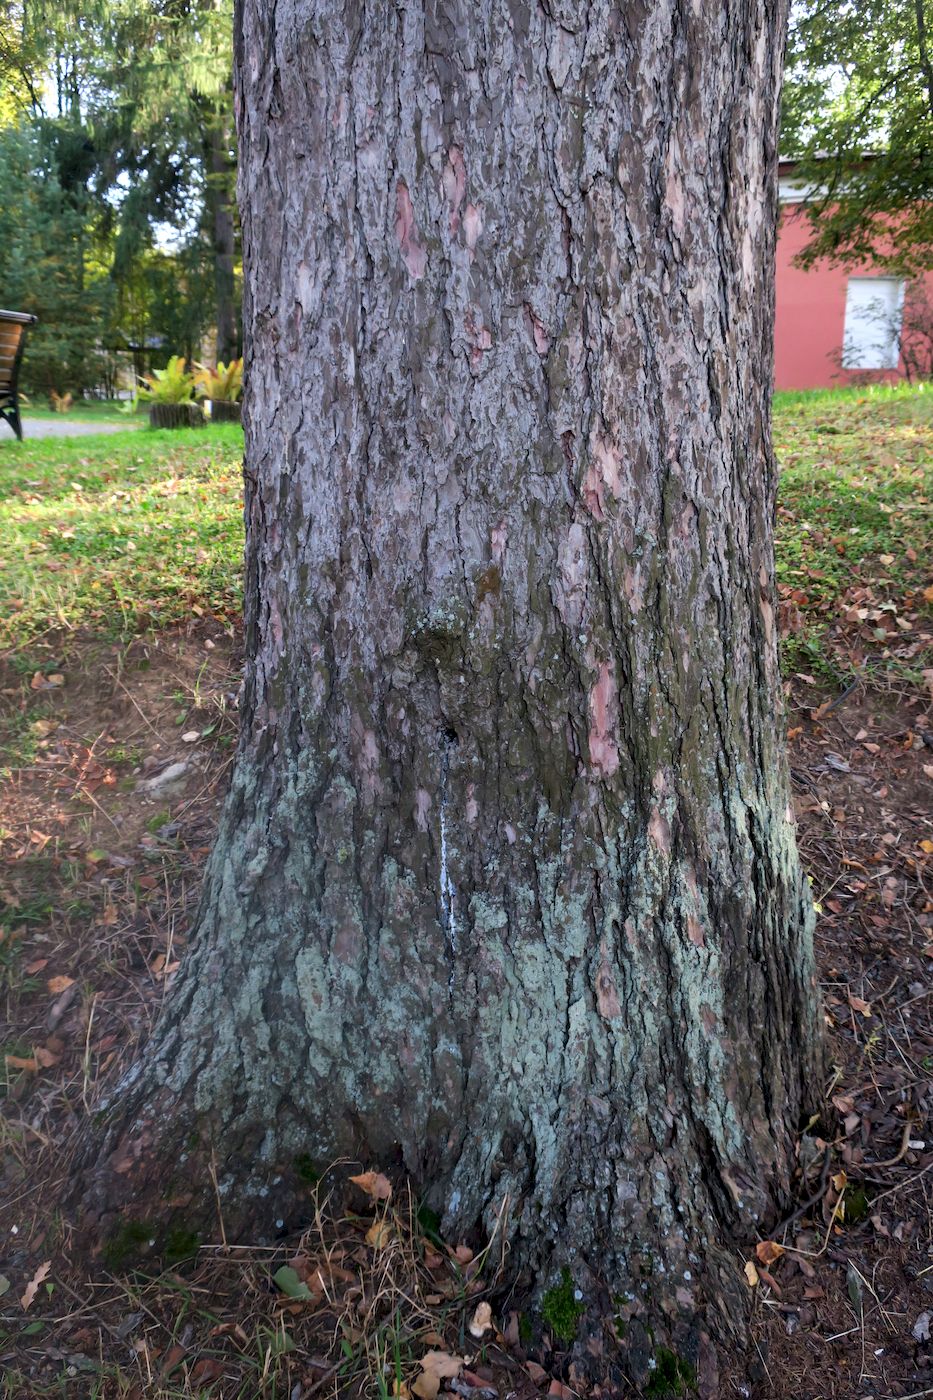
(506, 890)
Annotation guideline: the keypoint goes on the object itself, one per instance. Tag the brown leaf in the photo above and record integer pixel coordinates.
(22, 1062)
(375, 1185)
(436, 1366)
(57, 985)
(857, 1004)
(32, 1287)
(536, 1372)
(768, 1251)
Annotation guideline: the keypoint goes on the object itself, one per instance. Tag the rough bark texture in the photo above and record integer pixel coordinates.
(223, 411)
(175, 415)
(506, 888)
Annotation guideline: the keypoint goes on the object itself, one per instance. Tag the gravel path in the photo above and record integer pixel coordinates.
(65, 428)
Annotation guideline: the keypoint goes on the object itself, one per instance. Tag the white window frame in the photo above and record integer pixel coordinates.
(873, 347)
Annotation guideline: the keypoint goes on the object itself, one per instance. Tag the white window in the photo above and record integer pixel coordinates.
(872, 335)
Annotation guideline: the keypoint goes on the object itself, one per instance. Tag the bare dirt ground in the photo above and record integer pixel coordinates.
(118, 757)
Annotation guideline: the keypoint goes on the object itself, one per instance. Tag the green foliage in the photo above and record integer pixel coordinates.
(858, 113)
(561, 1310)
(129, 104)
(50, 257)
(223, 383)
(174, 384)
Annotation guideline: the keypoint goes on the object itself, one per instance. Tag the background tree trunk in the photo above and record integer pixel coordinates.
(506, 888)
(219, 199)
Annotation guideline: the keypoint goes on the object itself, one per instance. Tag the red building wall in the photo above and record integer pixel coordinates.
(810, 315)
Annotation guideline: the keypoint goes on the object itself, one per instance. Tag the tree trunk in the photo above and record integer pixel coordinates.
(175, 415)
(224, 234)
(225, 411)
(506, 888)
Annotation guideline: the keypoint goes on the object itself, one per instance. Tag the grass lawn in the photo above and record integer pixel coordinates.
(128, 532)
(120, 533)
(853, 533)
(84, 411)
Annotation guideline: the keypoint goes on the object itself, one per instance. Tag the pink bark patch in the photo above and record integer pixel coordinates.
(454, 182)
(472, 226)
(422, 808)
(659, 831)
(604, 474)
(604, 752)
(538, 330)
(413, 254)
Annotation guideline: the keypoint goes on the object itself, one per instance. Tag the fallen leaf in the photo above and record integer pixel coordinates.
(375, 1185)
(921, 1328)
(32, 1287)
(857, 1004)
(927, 846)
(536, 1372)
(191, 736)
(290, 1284)
(45, 1058)
(4, 1285)
(768, 1252)
(379, 1234)
(481, 1321)
(22, 1062)
(57, 985)
(751, 1275)
(436, 1366)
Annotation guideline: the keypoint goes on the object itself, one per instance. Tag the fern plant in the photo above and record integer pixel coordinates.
(174, 384)
(221, 383)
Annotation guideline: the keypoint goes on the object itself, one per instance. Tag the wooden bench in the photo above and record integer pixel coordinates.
(13, 326)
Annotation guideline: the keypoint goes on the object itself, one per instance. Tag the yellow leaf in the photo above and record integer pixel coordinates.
(927, 846)
(751, 1275)
(376, 1186)
(57, 985)
(379, 1234)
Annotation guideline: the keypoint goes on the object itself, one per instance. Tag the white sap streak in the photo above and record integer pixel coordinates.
(448, 888)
